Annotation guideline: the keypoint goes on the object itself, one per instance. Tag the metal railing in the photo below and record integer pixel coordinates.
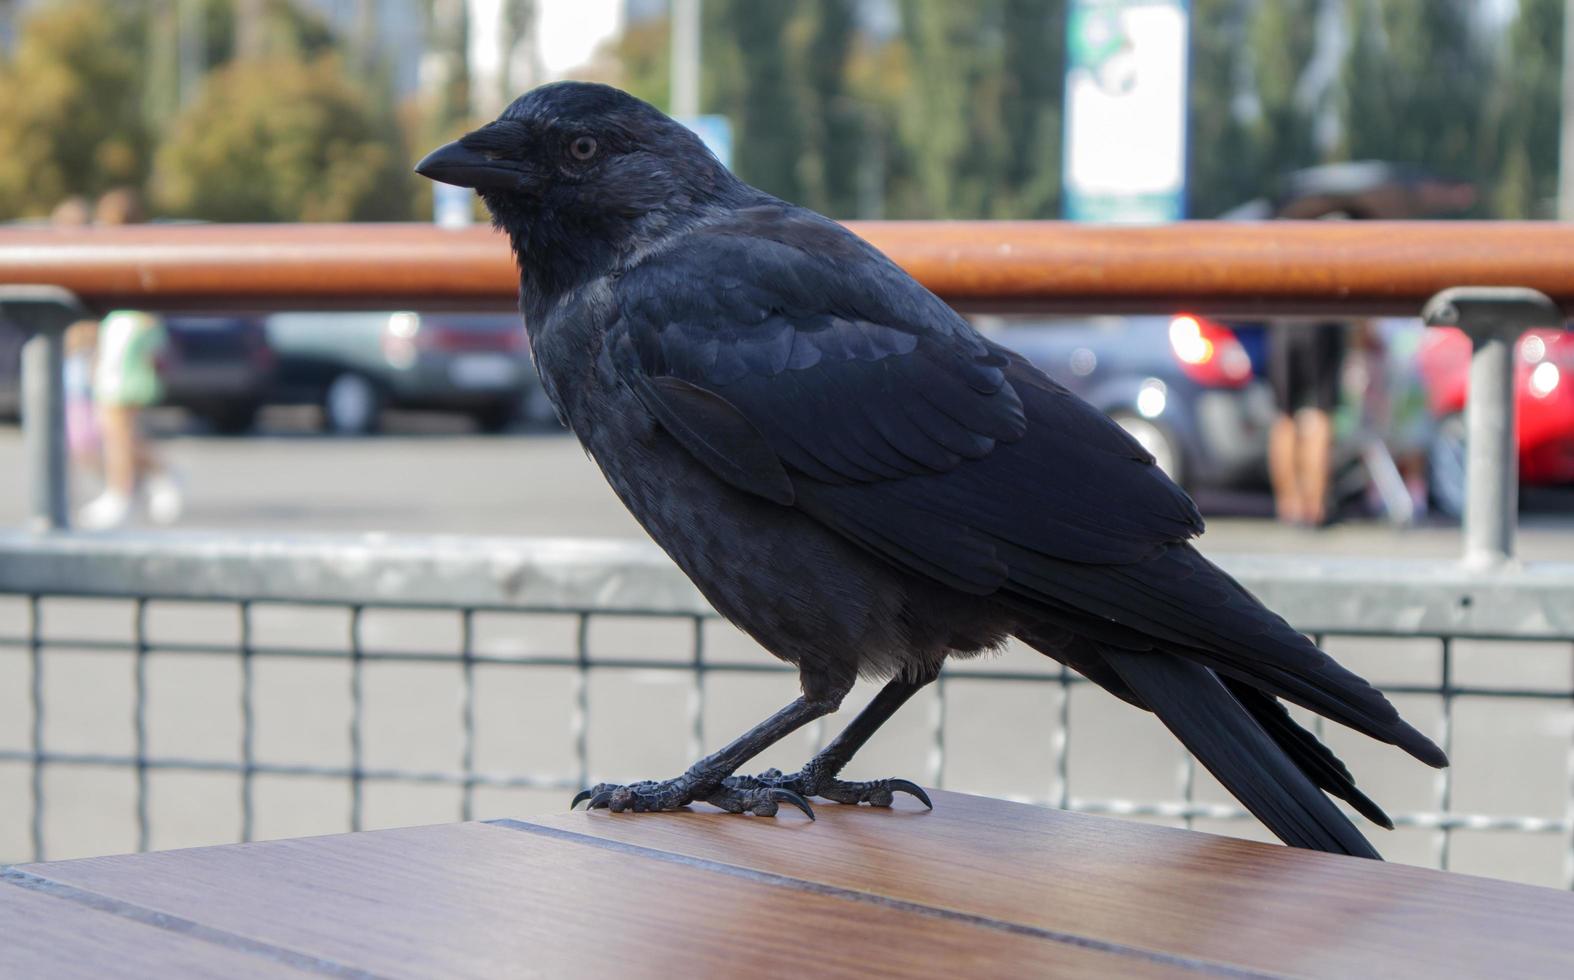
(468, 577)
(1513, 276)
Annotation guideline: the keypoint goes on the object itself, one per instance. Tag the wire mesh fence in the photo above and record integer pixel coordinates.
(202, 719)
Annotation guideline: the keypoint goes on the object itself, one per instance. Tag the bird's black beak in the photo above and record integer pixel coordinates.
(453, 163)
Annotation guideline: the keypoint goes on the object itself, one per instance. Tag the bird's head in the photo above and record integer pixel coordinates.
(581, 176)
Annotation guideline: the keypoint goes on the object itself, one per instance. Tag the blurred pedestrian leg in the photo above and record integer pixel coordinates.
(125, 382)
(1305, 365)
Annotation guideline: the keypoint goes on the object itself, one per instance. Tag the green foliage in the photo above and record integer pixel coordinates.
(1414, 87)
(980, 119)
(72, 120)
(833, 117)
(955, 114)
(1281, 36)
(768, 126)
(282, 140)
(1526, 114)
(1222, 149)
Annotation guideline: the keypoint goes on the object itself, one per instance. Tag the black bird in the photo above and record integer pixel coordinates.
(866, 485)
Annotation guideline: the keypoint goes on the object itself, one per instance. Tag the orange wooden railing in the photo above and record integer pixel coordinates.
(1212, 267)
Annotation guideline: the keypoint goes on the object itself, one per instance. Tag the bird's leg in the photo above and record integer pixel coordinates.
(706, 779)
(818, 777)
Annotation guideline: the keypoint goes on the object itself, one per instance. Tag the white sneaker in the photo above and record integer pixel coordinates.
(165, 500)
(107, 510)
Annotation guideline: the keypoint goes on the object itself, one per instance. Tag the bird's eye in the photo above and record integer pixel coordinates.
(583, 147)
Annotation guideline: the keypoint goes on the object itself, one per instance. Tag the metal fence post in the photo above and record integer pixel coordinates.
(44, 312)
(1493, 317)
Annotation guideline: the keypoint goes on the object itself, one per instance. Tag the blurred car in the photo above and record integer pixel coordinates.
(355, 365)
(1181, 385)
(1544, 404)
(219, 368)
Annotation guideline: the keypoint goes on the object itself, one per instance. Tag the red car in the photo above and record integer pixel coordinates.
(1544, 403)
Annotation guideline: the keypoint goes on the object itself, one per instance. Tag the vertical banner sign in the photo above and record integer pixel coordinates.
(1125, 137)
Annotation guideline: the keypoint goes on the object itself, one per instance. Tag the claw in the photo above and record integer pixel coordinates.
(581, 797)
(600, 801)
(913, 789)
(788, 796)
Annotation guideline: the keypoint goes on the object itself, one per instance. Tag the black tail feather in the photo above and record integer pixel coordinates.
(1310, 755)
(1225, 737)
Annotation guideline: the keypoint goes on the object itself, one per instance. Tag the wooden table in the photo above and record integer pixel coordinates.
(977, 887)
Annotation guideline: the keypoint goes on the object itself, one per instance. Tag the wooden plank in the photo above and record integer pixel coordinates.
(1256, 906)
(44, 935)
(474, 900)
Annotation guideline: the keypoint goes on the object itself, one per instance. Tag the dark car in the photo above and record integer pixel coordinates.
(356, 364)
(1181, 385)
(217, 367)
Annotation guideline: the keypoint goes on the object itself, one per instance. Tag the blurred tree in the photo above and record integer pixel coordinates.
(445, 75)
(249, 33)
(1223, 162)
(935, 124)
(1282, 38)
(72, 122)
(441, 111)
(762, 99)
(1417, 82)
(979, 123)
(276, 139)
(834, 118)
(1526, 112)
(1031, 94)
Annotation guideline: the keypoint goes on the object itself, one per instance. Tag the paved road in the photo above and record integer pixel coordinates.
(429, 476)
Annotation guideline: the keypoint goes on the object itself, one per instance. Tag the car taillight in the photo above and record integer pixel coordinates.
(1209, 353)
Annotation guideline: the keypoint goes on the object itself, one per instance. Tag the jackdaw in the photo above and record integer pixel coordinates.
(865, 484)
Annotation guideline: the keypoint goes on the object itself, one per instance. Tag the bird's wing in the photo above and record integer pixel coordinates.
(799, 364)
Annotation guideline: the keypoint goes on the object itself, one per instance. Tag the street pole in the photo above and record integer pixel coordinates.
(685, 58)
(1566, 151)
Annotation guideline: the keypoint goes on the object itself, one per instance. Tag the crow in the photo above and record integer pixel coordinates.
(866, 485)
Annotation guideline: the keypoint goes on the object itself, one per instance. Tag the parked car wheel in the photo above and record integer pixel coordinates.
(1152, 437)
(233, 420)
(1446, 466)
(352, 404)
(495, 418)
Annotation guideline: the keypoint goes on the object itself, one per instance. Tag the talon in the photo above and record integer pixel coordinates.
(601, 801)
(788, 796)
(912, 789)
(581, 797)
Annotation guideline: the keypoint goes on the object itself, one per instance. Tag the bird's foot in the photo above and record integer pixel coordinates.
(651, 796)
(810, 781)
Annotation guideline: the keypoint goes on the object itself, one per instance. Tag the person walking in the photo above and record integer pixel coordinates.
(125, 383)
(1305, 363)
